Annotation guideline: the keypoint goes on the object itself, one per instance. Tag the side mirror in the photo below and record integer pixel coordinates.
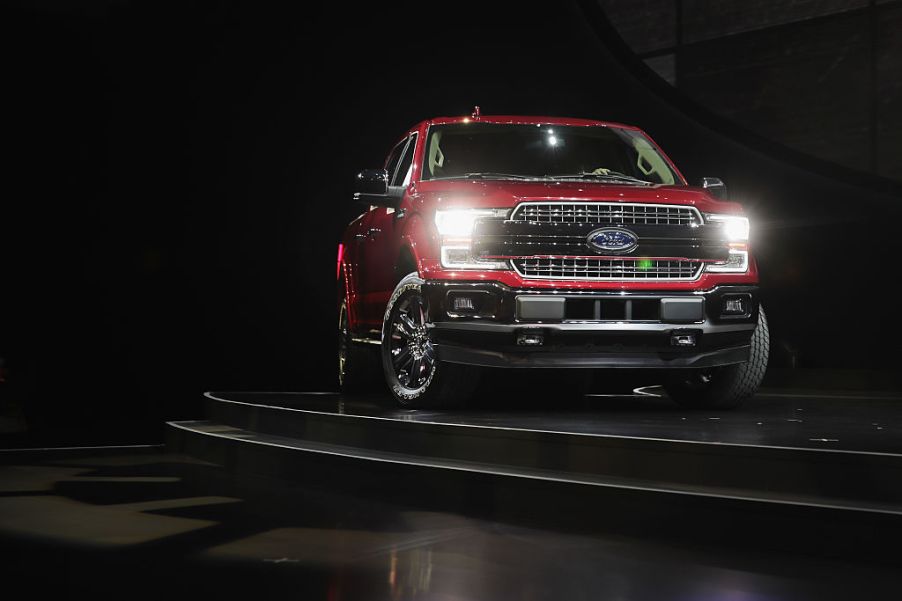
(715, 187)
(371, 189)
(371, 181)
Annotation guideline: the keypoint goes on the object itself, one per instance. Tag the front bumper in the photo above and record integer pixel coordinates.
(589, 329)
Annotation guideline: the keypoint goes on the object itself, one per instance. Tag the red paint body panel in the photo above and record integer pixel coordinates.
(369, 264)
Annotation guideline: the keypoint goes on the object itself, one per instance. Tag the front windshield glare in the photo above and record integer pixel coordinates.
(500, 151)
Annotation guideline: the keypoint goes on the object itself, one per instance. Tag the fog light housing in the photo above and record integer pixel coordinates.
(470, 303)
(682, 339)
(462, 303)
(736, 305)
(530, 338)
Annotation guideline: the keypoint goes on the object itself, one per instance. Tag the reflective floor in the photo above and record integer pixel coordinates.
(155, 525)
(800, 419)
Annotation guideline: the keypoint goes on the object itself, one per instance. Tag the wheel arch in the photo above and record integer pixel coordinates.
(407, 262)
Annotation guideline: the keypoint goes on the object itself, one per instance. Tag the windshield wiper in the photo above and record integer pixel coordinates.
(494, 175)
(610, 176)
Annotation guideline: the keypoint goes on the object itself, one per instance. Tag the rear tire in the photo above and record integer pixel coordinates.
(413, 372)
(723, 387)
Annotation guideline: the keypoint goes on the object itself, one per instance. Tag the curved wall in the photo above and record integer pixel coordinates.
(822, 77)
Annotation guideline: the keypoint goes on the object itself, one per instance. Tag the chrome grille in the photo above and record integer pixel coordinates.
(606, 213)
(607, 269)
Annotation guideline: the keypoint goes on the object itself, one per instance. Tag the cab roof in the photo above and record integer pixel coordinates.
(527, 120)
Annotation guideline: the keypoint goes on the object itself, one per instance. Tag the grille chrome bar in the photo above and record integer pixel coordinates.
(606, 213)
(590, 268)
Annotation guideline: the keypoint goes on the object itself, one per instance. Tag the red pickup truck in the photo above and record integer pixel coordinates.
(494, 242)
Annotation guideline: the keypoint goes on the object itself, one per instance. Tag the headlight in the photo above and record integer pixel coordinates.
(735, 227)
(456, 226)
(459, 222)
(736, 231)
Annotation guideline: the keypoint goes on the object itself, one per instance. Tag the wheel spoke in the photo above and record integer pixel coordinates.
(415, 370)
(402, 358)
(402, 330)
(410, 326)
(418, 311)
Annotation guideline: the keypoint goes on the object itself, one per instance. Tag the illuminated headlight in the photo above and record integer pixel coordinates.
(736, 231)
(735, 228)
(737, 262)
(459, 222)
(456, 226)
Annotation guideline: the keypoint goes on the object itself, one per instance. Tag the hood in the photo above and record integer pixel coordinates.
(502, 194)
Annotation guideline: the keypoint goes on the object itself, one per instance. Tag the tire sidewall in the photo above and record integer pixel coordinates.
(410, 285)
(734, 384)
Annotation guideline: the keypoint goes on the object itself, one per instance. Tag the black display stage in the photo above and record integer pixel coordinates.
(827, 467)
(798, 420)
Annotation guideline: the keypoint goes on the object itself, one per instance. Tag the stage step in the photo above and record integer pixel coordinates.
(484, 465)
(830, 479)
(204, 438)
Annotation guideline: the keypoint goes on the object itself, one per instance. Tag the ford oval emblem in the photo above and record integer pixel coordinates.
(613, 240)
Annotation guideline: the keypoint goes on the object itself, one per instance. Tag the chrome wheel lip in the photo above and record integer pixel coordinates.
(411, 353)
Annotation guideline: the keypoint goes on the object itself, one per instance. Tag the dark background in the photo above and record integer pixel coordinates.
(179, 174)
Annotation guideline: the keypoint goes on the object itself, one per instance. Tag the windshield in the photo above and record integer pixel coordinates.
(501, 151)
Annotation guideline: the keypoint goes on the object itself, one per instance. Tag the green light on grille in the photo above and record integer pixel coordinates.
(644, 264)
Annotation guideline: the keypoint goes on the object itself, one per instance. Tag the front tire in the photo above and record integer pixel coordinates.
(724, 387)
(413, 372)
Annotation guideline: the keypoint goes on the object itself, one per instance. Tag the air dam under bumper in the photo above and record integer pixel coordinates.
(492, 325)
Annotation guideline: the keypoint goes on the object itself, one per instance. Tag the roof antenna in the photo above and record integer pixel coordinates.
(476, 113)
